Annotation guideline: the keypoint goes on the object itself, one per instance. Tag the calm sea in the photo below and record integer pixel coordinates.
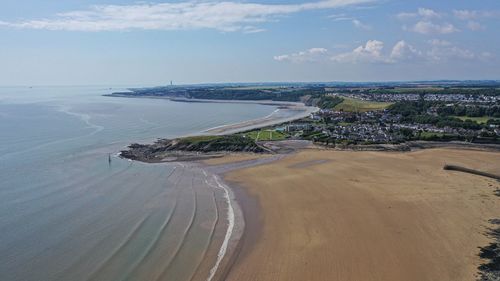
(68, 214)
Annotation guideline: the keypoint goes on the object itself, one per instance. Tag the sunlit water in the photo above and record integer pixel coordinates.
(68, 214)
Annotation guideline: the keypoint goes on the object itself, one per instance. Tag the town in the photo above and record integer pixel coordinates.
(392, 118)
(365, 113)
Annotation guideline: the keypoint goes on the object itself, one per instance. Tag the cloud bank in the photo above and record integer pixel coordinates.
(374, 51)
(426, 22)
(223, 16)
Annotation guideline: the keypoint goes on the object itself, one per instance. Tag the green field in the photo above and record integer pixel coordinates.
(415, 90)
(431, 134)
(479, 120)
(355, 105)
(198, 139)
(255, 88)
(265, 135)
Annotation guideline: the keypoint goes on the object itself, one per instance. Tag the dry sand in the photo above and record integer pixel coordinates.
(335, 215)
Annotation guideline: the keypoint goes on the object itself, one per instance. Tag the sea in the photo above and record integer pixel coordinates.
(72, 209)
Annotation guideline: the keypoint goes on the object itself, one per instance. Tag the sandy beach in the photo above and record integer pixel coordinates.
(294, 110)
(297, 111)
(343, 215)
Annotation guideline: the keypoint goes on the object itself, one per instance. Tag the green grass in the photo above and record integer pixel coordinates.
(344, 124)
(415, 90)
(355, 105)
(265, 135)
(479, 120)
(255, 88)
(431, 134)
(197, 139)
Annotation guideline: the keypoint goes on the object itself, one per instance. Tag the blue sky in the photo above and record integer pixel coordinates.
(123, 42)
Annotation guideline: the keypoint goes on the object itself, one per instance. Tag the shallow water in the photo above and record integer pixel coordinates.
(68, 214)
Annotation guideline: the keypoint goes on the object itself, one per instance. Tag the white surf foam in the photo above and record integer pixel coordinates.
(229, 232)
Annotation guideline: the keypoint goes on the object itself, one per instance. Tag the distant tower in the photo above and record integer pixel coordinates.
(171, 84)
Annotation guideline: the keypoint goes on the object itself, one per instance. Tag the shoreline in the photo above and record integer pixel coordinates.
(266, 121)
(180, 99)
(229, 249)
(244, 225)
(247, 225)
(269, 120)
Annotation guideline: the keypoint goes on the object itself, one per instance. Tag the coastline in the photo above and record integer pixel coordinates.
(180, 99)
(247, 221)
(301, 110)
(259, 259)
(224, 250)
(245, 226)
(270, 120)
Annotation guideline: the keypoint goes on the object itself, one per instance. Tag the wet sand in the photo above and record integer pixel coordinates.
(235, 157)
(299, 111)
(343, 215)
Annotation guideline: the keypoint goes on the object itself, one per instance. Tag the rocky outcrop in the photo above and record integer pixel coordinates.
(190, 146)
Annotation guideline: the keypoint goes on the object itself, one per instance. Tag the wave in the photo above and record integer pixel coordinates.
(213, 226)
(121, 246)
(185, 233)
(229, 232)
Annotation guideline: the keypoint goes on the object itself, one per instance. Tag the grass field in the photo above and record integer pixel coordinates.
(431, 134)
(415, 90)
(355, 105)
(479, 120)
(265, 135)
(255, 88)
(197, 139)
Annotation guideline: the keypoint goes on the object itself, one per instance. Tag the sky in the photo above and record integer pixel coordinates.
(121, 42)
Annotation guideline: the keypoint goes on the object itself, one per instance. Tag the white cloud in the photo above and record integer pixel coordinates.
(340, 17)
(439, 42)
(404, 51)
(473, 17)
(474, 26)
(444, 50)
(370, 52)
(405, 15)
(310, 55)
(428, 27)
(225, 16)
(373, 51)
(428, 21)
(357, 23)
(465, 14)
(475, 14)
(421, 13)
(428, 13)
